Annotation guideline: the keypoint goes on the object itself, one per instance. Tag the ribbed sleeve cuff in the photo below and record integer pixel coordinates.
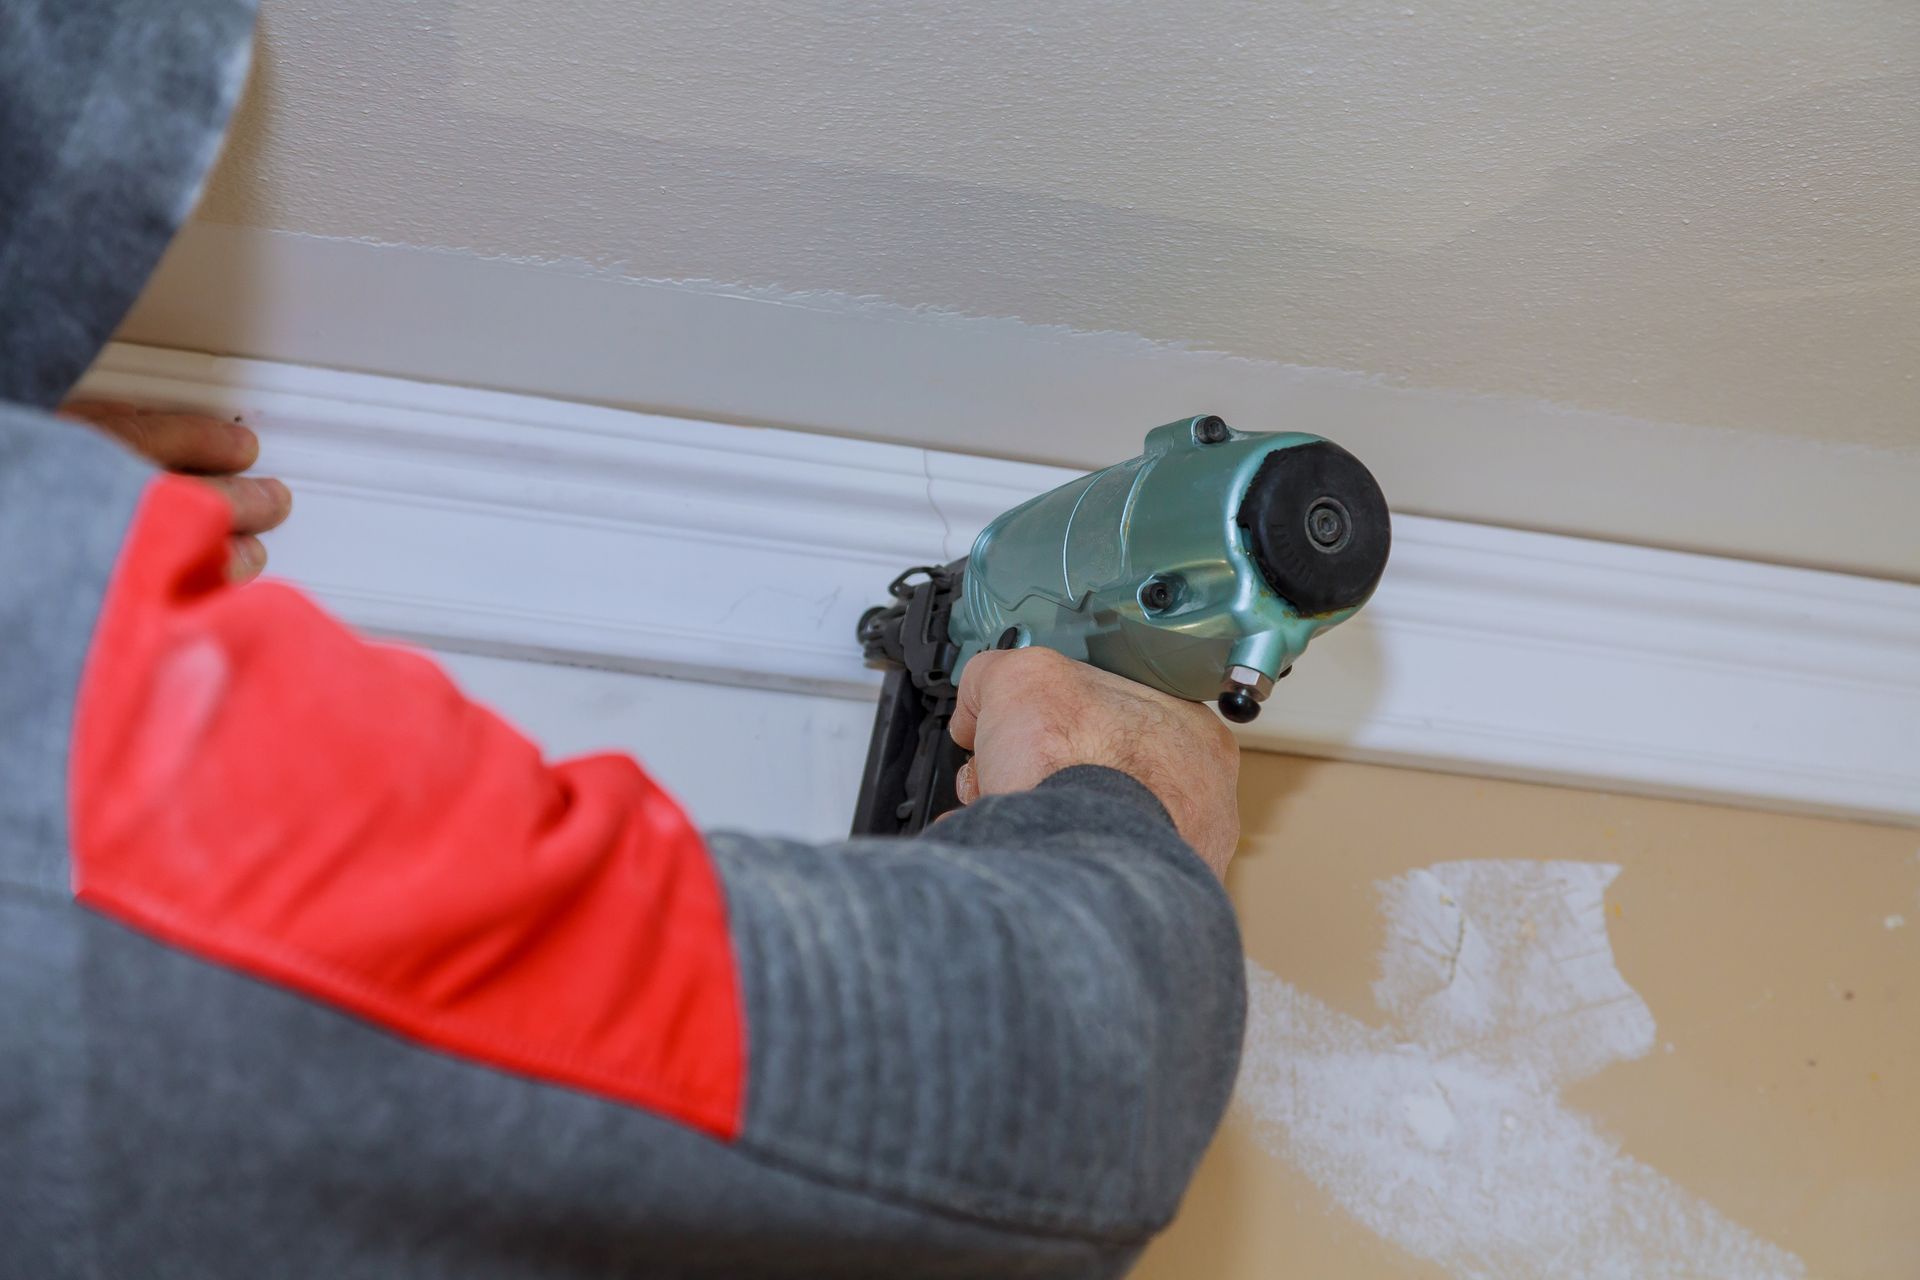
(1110, 783)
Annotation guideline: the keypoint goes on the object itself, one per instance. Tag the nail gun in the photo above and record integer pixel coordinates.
(1202, 568)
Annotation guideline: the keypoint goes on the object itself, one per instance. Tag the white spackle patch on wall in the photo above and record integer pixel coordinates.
(1444, 1131)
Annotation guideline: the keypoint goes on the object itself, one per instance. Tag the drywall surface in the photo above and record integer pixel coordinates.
(1444, 1131)
(1678, 210)
(1507, 1031)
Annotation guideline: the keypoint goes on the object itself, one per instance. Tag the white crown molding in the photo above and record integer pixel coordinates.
(538, 528)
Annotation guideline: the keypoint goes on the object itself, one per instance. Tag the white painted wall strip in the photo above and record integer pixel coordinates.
(860, 366)
(529, 527)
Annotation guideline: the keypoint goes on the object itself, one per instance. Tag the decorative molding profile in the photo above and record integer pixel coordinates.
(535, 528)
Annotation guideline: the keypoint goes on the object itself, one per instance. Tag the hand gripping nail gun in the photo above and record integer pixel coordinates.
(1202, 568)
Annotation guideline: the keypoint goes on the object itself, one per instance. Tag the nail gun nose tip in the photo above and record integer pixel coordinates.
(1239, 706)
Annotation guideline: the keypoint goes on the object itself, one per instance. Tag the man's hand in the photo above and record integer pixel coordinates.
(1028, 713)
(214, 450)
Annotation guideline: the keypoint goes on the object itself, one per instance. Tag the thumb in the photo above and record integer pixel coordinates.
(966, 784)
(974, 682)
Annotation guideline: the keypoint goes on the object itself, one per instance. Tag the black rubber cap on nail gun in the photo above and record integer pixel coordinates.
(1318, 527)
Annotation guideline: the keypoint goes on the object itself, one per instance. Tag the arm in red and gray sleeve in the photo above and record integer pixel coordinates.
(337, 976)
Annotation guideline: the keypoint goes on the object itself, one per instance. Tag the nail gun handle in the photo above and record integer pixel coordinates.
(913, 764)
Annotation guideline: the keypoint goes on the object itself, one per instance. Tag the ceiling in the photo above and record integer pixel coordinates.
(1673, 211)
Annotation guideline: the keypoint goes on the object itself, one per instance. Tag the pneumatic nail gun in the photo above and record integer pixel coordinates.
(1202, 568)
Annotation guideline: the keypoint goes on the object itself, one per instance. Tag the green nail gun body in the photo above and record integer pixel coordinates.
(1202, 568)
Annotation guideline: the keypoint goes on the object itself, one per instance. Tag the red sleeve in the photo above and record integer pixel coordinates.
(255, 784)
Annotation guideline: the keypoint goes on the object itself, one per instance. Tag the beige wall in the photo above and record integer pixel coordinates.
(1765, 1119)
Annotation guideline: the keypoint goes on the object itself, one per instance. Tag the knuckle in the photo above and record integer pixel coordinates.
(981, 671)
(1029, 669)
(1036, 659)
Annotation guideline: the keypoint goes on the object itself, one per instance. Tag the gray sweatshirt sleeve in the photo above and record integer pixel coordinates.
(1029, 1015)
(993, 1050)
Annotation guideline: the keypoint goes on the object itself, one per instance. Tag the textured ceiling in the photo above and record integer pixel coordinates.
(1679, 210)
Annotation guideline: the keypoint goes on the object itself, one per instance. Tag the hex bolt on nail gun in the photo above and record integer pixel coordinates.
(1202, 568)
